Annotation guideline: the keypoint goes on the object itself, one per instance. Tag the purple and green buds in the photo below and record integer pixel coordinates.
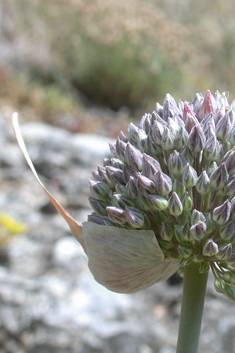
(163, 183)
(175, 206)
(134, 217)
(116, 214)
(210, 248)
(221, 213)
(189, 176)
(198, 231)
(196, 140)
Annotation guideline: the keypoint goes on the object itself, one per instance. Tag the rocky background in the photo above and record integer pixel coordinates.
(49, 301)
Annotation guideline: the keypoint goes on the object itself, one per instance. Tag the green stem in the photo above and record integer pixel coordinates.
(192, 308)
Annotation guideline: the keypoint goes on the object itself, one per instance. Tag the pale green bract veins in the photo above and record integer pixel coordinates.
(164, 198)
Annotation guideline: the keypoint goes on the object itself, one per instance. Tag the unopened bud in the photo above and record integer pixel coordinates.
(150, 166)
(189, 176)
(225, 253)
(163, 183)
(157, 202)
(198, 230)
(145, 185)
(210, 248)
(95, 218)
(116, 214)
(208, 105)
(229, 160)
(121, 148)
(203, 183)
(212, 149)
(176, 163)
(186, 232)
(170, 107)
(133, 157)
(98, 189)
(115, 175)
(181, 139)
(122, 201)
(221, 213)
(104, 177)
(187, 202)
(167, 231)
(231, 187)
(175, 206)
(227, 231)
(157, 132)
(168, 140)
(99, 206)
(178, 233)
(131, 188)
(196, 140)
(223, 127)
(210, 224)
(220, 177)
(134, 217)
(230, 292)
(220, 285)
(179, 188)
(185, 250)
(197, 216)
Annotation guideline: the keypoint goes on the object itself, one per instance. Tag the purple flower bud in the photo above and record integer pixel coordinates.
(212, 149)
(150, 167)
(221, 213)
(117, 163)
(104, 177)
(95, 218)
(231, 187)
(197, 216)
(208, 106)
(191, 122)
(133, 157)
(163, 183)
(179, 233)
(189, 176)
(186, 232)
(198, 231)
(167, 231)
(152, 147)
(220, 177)
(210, 248)
(196, 139)
(176, 163)
(174, 204)
(145, 185)
(123, 137)
(225, 253)
(113, 150)
(99, 206)
(98, 189)
(121, 149)
(223, 127)
(229, 160)
(170, 107)
(157, 132)
(145, 122)
(134, 217)
(116, 215)
(157, 202)
(227, 232)
(203, 183)
(115, 175)
(168, 140)
(181, 138)
(131, 188)
(121, 201)
(95, 175)
(188, 111)
(133, 133)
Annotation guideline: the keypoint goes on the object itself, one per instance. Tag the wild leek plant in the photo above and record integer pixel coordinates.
(164, 202)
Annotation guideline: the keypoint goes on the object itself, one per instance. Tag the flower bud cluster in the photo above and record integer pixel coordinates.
(175, 174)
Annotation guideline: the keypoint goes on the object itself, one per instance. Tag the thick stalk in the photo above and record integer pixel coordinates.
(192, 308)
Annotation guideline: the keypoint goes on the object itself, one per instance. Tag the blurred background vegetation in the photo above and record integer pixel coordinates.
(87, 65)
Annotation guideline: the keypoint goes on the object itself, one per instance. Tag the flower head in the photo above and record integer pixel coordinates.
(164, 198)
